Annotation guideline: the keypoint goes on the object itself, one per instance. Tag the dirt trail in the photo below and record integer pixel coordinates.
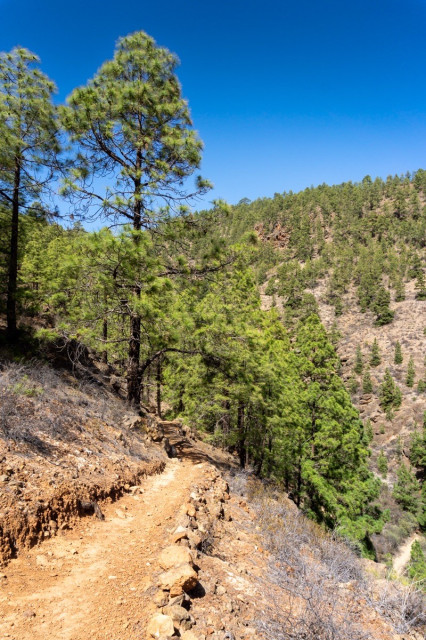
(402, 556)
(93, 582)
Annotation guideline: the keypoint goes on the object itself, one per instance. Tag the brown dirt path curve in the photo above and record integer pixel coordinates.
(403, 554)
(94, 581)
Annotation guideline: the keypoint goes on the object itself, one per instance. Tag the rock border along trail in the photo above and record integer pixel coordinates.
(98, 581)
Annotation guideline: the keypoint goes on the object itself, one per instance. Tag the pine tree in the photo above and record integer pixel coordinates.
(417, 565)
(390, 394)
(409, 381)
(418, 449)
(375, 359)
(367, 383)
(406, 489)
(382, 464)
(415, 268)
(358, 367)
(420, 286)
(335, 334)
(399, 290)
(380, 306)
(368, 431)
(353, 385)
(28, 149)
(133, 127)
(398, 353)
(325, 467)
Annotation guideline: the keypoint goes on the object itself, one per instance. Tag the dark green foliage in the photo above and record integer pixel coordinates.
(398, 353)
(380, 306)
(28, 154)
(132, 128)
(417, 565)
(335, 334)
(359, 364)
(415, 270)
(375, 359)
(353, 385)
(399, 290)
(367, 383)
(420, 286)
(382, 464)
(368, 431)
(418, 449)
(406, 489)
(390, 394)
(409, 381)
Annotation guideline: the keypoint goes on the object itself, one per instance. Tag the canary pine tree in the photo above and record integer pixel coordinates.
(398, 353)
(28, 150)
(131, 125)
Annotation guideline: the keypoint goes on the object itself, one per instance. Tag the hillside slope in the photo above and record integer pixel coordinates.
(254, 579)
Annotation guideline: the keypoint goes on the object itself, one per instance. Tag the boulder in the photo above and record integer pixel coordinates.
(188, 635)
(195, 540)
(179, 534)
(160, 625)
(190, 510)
(161, 599)
(178, 580)
(176, 612)
(173, 556)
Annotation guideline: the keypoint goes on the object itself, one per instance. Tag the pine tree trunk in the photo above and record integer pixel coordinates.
(13, 258)
(241, 436)
(134, 376)
(158, 382)
(105, 337)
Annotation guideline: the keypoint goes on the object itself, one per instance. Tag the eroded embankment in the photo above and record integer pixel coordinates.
(65, 446)
(42, 519)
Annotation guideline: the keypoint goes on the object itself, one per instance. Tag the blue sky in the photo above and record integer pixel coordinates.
(284, 94)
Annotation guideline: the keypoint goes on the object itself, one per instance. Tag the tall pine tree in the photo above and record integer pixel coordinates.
(131, 126)
(28, 150)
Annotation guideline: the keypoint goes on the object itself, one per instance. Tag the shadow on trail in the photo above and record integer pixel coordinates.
(195, 451)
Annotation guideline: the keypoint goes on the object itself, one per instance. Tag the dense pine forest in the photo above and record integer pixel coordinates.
(211, 316)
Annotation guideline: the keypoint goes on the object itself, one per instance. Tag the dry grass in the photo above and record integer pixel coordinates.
(41, 408)
(321, 590)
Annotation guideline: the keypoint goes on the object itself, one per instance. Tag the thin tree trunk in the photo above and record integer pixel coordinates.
(158, 381)
(241, 436)
(13, 258)
(134, 376)
(105, 336)
(226, 420)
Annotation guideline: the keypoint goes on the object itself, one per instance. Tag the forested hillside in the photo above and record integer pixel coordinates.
(355, 255)
(232, 319)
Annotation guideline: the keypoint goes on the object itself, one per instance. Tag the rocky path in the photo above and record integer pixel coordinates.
(402, 556)
(94, 581)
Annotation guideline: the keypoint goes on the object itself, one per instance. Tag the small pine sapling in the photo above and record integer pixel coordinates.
(382, 464)
(375, 359)
(398, 353)
(409, 381)
(367, 383)
(359, 364)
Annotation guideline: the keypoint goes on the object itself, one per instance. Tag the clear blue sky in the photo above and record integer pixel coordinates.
(283, 94)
